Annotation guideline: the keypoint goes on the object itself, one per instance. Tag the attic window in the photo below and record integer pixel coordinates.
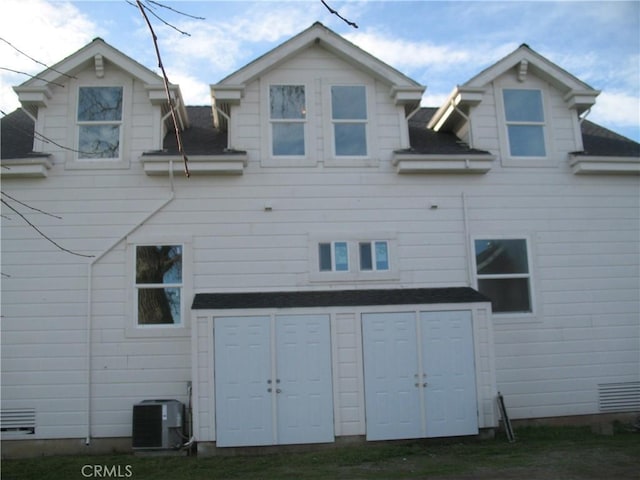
(287, 114)
(524, 117)
(99, 121)
(349, 117)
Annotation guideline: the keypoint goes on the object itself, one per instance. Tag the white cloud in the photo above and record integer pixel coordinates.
(617, 108)
(46, 31)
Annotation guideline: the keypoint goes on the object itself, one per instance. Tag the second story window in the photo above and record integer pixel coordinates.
(374, 256)
(349, 117)
(287, 114)
(524, 115)
(99, 122)
(333, 257)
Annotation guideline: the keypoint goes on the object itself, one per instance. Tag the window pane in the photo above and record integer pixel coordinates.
(159, 306)
(159, 264)
(382, 256)
(501, 256)
(287, 101)
(351, 139)
(288, 139)
(348, 103)
(365, 256)
(324, 256)
(341, 256)
(99, 141)
(526, 140)
(100, 104)
(507, 295)
(523, 105)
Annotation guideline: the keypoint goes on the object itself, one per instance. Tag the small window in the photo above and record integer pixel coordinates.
(524, 115)
(503, 273)
(287, 114)
(349, 116)
(374, 256)
(99, 122)
(159, 284)
(333, 257)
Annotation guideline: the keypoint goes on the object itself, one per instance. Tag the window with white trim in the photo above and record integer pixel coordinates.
(333, 257)
(524, 116)
(159, 284)
(503, 274)
(99, 120)
(374, 256)
(288, 117)
(349, 118)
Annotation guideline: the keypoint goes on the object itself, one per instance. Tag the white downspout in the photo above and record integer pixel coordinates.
(467, 240)
(90, 295)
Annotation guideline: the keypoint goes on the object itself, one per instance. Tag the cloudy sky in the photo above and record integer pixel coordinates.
(439, 44)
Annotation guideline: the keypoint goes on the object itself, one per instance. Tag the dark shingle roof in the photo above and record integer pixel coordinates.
(336, 298)
(16, 135)
(202, 138)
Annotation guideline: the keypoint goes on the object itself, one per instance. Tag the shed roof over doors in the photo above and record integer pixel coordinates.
(336, 298)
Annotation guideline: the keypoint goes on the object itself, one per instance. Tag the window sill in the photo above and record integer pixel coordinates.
(157, 331)
(422, 163)
(364, 162)
(99, 164)
(225, 164)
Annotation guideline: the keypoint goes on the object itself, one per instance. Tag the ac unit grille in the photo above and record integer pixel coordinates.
(18, 420)
(147, 426)
(619, 397)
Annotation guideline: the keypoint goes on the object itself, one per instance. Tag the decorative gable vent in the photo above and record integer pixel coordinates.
(619, 397)
(18, 420)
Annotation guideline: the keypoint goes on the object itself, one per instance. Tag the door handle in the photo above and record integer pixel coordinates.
(278, 390)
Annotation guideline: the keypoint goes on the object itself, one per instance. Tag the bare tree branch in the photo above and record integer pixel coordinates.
(174, 117)
(41, 233)
(30, 207)
(150, 10)
(334, 12)
(34, 60)
(174, 10)
(30, 75)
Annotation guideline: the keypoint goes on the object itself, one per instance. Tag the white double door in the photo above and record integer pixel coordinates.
(419, 375)
(273, 380)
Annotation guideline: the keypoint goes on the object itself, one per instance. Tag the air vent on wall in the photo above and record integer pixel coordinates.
(18, 420)
(619, 397)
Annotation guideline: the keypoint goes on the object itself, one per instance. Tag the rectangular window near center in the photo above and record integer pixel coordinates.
(159, 284)
(99, 120)
(333, 257)
(349, 117)
(288, 116)
(503, 273)
(524, 116)
(374, 256)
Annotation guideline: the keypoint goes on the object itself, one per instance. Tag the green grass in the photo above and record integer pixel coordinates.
(539, 453)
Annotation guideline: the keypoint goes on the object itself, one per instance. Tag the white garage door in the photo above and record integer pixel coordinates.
(273, 380)
(419, 375)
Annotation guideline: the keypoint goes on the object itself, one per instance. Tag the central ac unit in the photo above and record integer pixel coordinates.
(158, 425)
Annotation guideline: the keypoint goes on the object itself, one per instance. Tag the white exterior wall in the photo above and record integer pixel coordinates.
(582, 232)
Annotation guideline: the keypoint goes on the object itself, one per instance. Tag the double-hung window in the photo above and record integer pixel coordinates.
(374, 256)
(349, 118)
(99, 122)
(288, 117)
(333, 257)
(524, 116)
(503, 274)
(159, 284)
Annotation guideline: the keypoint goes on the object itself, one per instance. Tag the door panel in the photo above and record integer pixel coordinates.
(449, 364)
(242, 368)
(305, 400)
(390, 368)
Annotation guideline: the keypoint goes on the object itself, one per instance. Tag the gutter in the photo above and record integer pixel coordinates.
(89, 328)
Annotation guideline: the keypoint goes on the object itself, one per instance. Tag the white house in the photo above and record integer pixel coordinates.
(341, 262)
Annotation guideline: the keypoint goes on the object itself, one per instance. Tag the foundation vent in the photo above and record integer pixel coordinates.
(18, 420)
(619, 397)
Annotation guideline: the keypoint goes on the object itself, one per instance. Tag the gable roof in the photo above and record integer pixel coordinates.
(578, 95)
(35, 92)
(403, 89)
